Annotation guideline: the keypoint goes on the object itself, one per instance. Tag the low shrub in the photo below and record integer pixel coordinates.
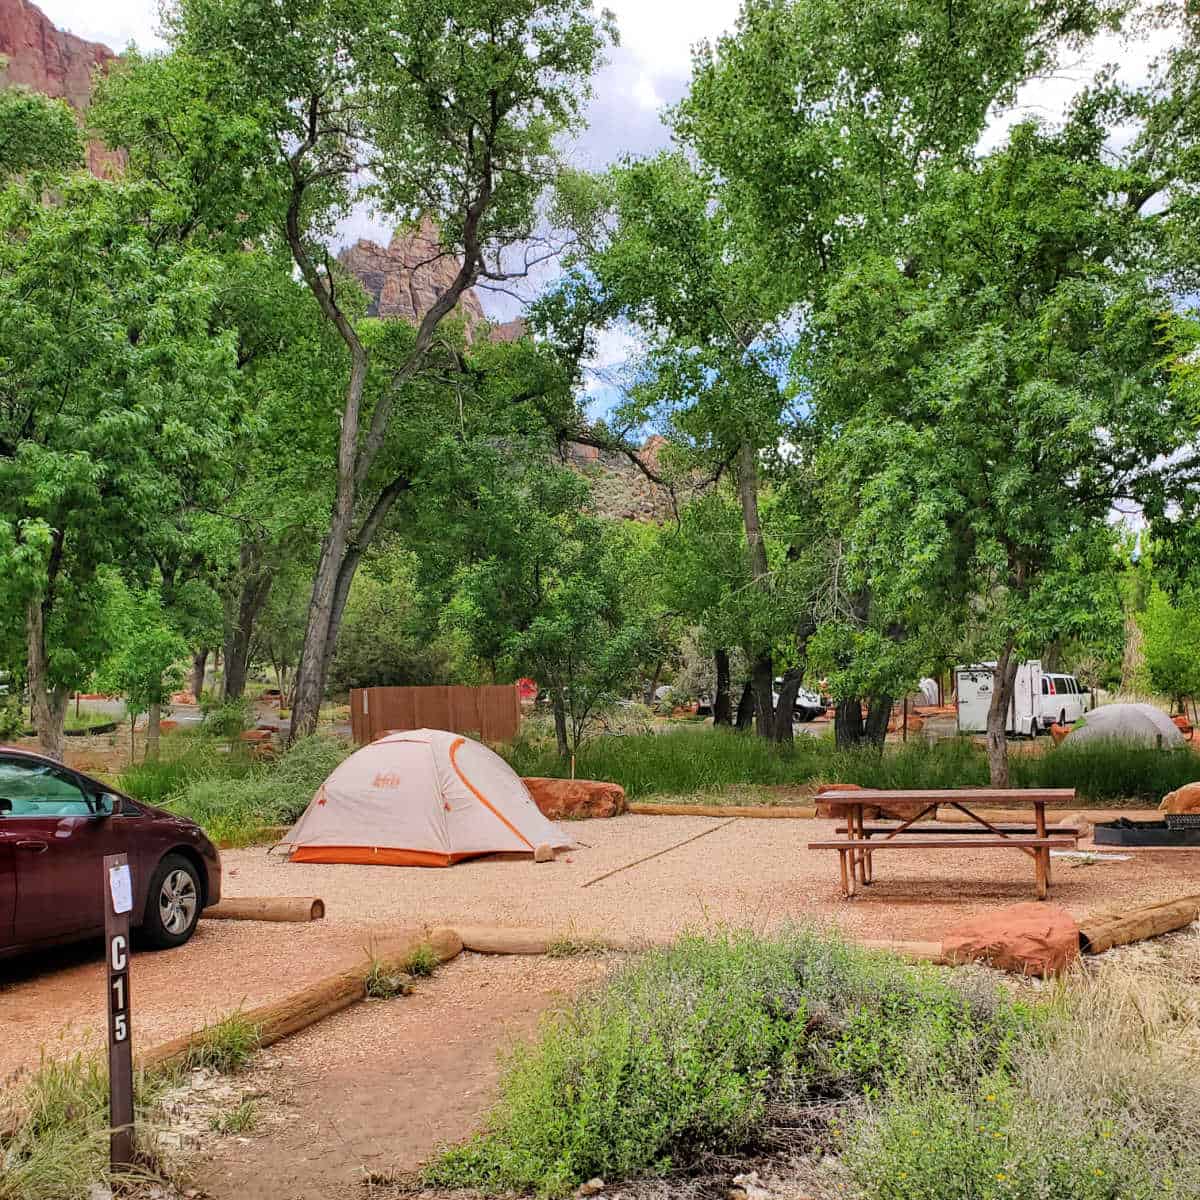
(12, 719)
(1102, 1102)
(687, 1050)
(227, 718)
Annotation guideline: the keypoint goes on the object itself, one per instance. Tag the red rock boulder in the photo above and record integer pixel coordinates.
(871, 812)
(1027, 939)
(1183, 800)
(576, 799)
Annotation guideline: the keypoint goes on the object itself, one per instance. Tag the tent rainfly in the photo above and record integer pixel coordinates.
(1142, 724)
(420, 798)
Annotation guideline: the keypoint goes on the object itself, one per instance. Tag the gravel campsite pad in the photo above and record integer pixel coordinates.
(747, 873)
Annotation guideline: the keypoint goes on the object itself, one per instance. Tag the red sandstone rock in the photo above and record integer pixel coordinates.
(1183, 800)
(1028, 939)
(46, 59)
(576, 798)
(871, 812)
(406, 278)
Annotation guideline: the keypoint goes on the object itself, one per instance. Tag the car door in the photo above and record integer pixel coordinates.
(8, 886)
(57, 842)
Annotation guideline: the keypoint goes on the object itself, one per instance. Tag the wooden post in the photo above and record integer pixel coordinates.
(118, 900)
(1042, 864)
(904, 718)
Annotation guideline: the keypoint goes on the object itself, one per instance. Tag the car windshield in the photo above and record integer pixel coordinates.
(31, 789)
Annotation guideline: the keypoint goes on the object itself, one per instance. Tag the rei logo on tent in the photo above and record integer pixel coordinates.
(389, 780)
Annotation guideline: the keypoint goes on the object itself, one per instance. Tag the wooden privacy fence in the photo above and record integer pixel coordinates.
(491, 713)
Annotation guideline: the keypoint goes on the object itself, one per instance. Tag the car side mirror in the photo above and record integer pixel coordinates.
(107, 805)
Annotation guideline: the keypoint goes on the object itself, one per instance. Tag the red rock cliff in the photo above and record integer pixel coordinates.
(39, 56)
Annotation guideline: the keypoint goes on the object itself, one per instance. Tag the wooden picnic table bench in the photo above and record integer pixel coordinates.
(956, 829)
(857, 849)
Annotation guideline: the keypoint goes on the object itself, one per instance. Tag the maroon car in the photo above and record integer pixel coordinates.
(57, 825)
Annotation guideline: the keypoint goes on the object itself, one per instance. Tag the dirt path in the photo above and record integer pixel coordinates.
(378, 1088)
(54, 1002)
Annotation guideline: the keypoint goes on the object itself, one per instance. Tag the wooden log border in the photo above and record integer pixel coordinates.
(297, 909)
(1106, 930)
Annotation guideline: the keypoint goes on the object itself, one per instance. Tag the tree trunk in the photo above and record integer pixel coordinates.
(48, 702)
(199, 666)
(652, 686)
(848, 724)
(341, 552)
(1004, 678)
(256, 579)
(745, 708)
(560, 724)
(722, 701)
(153, 721)
(764, 696)
(879, 712)
(763, 673)
(788, 691)
(1133, 659)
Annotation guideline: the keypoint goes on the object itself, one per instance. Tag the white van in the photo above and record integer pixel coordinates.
(1040, 698)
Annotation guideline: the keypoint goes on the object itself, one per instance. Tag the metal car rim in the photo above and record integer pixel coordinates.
(177, 902)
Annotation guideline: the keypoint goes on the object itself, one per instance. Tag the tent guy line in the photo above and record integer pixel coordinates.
(659, 853)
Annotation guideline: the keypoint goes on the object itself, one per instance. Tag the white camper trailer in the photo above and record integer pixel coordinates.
(1040, 698)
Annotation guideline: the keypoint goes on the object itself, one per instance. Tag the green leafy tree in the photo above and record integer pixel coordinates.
(1171, 643)
(114, 394)
(37, 134)
(552, 595)
(448, 110)
(145, 665)
(989, 396)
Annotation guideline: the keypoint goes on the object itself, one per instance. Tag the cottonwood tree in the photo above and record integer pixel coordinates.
(114, 393)
(988, 396)
(552, 592)
(664, 257)
(446, 109)
(805, 133)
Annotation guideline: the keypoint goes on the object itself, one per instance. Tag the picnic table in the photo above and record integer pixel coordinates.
(857, 848)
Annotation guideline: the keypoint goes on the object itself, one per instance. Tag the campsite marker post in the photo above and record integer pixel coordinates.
(118, 901)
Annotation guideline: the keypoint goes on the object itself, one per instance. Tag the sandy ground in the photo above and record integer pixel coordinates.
(742, 873)
(376, 1089)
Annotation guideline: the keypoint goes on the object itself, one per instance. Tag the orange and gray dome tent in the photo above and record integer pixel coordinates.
(420, 798)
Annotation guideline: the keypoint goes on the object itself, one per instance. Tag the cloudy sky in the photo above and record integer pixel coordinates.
(649, 70)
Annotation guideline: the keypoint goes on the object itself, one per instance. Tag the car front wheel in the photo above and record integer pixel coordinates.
(173, 905)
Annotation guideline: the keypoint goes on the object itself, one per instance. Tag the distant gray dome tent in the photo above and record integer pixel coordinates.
(1140, 723)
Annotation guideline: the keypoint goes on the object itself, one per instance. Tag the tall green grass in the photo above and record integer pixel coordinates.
(186, 758)
(1105, 770)
(712, 761)
(231, 796)
(55, 1144)
(234, 809)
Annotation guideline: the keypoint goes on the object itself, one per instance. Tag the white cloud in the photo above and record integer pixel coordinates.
(661, 33)
(116, 23)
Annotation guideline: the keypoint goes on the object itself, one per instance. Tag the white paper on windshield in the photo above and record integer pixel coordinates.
(120, 884)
